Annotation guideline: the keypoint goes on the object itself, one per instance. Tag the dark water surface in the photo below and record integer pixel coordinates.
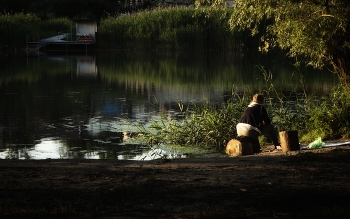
(86, 106)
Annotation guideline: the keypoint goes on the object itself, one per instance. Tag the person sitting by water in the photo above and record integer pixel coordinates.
(255, 121)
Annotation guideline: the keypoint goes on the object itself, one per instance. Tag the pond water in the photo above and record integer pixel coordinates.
(63, 106)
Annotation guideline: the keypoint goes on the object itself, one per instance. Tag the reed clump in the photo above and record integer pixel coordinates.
(17, 29)
(198, 124)
(177, 28)
(173, 28)
(14, 28)
(213, 126)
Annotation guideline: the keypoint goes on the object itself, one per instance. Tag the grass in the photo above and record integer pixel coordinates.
(16, 29)
(208, 125)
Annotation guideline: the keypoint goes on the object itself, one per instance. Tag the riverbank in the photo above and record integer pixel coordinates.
(304, 184)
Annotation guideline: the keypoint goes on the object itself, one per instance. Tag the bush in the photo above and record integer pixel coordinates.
(331, 118)
(209, 125)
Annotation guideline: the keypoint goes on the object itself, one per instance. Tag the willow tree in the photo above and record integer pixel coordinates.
(318, 31)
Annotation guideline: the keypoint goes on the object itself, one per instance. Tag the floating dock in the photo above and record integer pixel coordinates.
(60, 43)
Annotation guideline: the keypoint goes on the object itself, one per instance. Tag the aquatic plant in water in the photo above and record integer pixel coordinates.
(208, 125)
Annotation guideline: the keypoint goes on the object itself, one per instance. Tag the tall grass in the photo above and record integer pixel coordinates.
(207, 125)
(52, 27)
(16, 29)
(174, 28)
(289, 111)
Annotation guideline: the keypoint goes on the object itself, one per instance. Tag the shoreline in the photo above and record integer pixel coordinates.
(267, 185)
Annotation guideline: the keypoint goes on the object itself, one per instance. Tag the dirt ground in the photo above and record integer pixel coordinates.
(303, 184)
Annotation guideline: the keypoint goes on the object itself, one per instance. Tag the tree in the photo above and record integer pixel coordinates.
(13, 6)
(317, 31)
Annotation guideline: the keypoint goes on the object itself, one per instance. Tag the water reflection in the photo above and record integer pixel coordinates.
(62, 107)
(48, 148)
(86, 67)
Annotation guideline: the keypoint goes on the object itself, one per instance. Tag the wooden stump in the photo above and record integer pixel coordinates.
(237, 148)
(289, 141)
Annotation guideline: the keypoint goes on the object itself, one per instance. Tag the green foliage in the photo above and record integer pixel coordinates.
(209, 125)
(331, 118)
(288, 111)
(215, 3)
(204, 125)
(175, 28)
(17, 28)
(51, 27)
(14, 29)
(316, 31)
(291, 111)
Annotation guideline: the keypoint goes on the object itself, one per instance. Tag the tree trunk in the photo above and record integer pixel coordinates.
(242, 146)
(236, 148)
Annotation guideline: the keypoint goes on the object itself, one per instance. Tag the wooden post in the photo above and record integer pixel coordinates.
(289, 141)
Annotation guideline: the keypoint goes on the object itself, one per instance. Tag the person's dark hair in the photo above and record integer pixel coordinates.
(259, 98)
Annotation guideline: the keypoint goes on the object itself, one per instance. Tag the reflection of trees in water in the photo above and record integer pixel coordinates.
(184, 74)
(43, 97)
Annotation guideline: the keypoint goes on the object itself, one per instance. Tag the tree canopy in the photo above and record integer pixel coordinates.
(314, 31)
(92, 9)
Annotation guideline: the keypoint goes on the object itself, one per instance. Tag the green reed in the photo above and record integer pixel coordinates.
(17, 29)
(327, 117)
(198, 124)
(289, 111)
(52, 27)
(174, 28)
(209, 125)
(14, 28)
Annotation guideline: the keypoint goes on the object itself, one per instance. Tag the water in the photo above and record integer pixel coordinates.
(87, 106)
